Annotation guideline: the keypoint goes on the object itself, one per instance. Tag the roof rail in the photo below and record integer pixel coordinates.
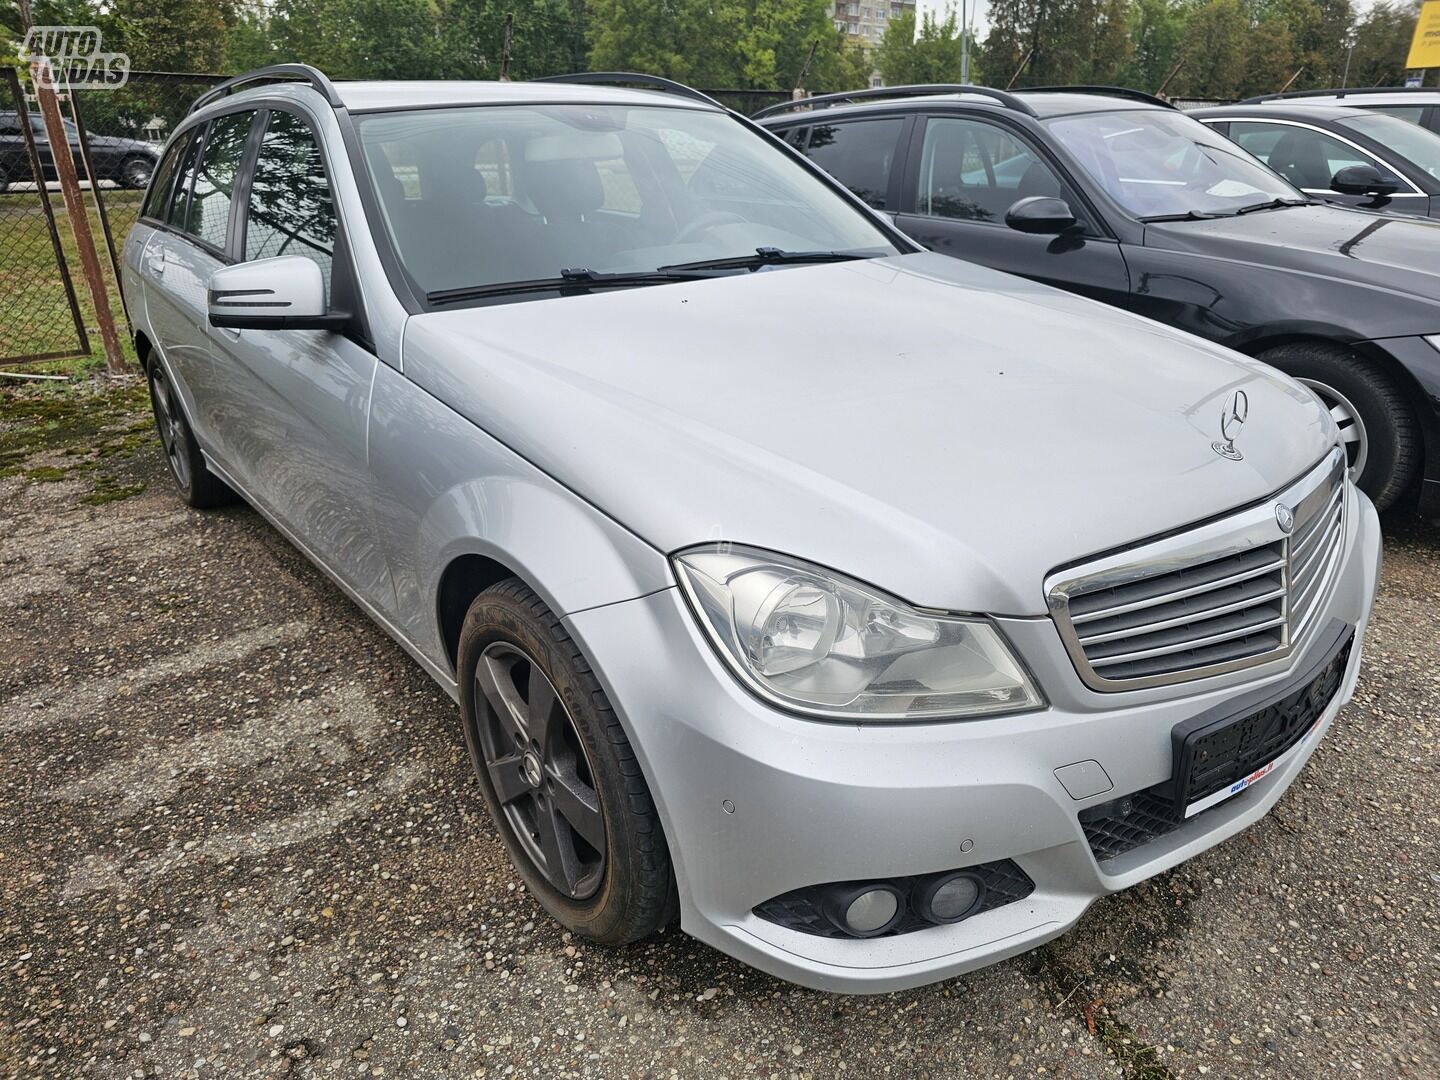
(631, 78)
(1340, 93)
(1107, 91)
(275, 72)
(1009, 101)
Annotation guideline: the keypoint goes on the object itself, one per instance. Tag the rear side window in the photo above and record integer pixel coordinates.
(291, 210)
(163, 180)
(185, 180)
(858, 153)
(208, 214)
(9, 125)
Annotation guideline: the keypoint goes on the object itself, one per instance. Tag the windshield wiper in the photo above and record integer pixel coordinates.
(571, 278)
(769, 256)
(1189, 215)
(1273, 204)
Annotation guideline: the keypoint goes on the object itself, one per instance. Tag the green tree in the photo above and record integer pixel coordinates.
(1156, 29)
(1059, 41)
(172, 35)
(1382, 43)
(930, 56)
(1214, 50)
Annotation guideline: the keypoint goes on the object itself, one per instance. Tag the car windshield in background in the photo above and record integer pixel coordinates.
(1418, 145)
(476, 199)
(1160, 164)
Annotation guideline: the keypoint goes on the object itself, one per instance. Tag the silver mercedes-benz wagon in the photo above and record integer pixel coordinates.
(870, 612)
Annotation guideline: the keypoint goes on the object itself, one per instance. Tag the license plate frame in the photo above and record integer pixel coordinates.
(1224, 751)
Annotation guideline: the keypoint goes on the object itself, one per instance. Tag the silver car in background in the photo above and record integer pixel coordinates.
(871, 612)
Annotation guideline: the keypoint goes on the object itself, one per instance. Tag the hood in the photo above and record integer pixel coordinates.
(1398, 256)
(943, 431)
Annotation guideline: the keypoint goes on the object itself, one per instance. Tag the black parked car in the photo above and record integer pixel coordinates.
(1355, 157)
(1120, 197)
(128, 162)
(1417, 104)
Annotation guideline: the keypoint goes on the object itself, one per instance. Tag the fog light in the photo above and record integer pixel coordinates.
(866, 910)
(948, 898)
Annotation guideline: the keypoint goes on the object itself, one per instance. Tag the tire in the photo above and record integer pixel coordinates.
(1382, 437)
(198, 485)
(135, 171)
(630, 891)
(4, 178)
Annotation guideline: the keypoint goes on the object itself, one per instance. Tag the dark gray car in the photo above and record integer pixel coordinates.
(128, 162)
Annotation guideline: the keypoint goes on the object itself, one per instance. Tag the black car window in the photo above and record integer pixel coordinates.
(208, 215)
(291, 210)
(858, 153)
(976, 171)
(9, 124)
(180, 204)
(1415, 114)
(1302, 155)
(161, 182)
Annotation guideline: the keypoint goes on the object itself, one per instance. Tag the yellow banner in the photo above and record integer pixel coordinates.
(1425, 47)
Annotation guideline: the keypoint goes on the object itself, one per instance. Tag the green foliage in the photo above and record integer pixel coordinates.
(931, 56)
(1382, 42)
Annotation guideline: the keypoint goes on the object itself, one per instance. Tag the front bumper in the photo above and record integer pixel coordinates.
(756, 802)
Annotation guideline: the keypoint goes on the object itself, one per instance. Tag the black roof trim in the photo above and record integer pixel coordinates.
(274, 73)
(1340, 93)
(879, 93)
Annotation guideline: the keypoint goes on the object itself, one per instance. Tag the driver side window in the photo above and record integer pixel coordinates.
(1309, 159)
(976, 171)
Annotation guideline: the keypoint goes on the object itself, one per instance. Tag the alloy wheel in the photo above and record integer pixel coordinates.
(540, 771)
(1348, 419)
(172, 431)
(137, 173)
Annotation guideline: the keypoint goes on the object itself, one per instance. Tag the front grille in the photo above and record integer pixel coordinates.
(1229, 594)
(1219, 761)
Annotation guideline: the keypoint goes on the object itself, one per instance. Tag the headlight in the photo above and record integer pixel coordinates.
(817, 643)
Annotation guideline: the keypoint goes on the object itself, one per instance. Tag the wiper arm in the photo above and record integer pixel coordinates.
(1189, 215)
(768, 256)
(1273, 204)
(580, 278)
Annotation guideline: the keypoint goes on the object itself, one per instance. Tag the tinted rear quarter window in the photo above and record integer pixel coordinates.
(163, 180)
(858, 153)
(180, 205)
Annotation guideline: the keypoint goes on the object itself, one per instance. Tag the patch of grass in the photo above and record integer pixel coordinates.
(56, 431)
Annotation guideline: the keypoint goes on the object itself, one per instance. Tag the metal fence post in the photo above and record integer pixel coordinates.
(42, 77)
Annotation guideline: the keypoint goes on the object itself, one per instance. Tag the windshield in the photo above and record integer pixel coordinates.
(1418, 145)
(1158, 163)
(476, 197)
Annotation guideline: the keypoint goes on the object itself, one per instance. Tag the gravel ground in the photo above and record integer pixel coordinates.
(239, 837)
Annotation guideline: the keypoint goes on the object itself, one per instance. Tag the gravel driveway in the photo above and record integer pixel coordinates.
(239, 837)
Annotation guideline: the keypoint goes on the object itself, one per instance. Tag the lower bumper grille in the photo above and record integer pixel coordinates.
(1220, 761)
(1002, 882)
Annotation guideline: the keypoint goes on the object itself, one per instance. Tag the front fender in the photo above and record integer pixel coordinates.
(446, 489)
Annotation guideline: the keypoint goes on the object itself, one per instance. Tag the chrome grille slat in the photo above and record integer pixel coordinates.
(1267, 566)
(1188, 643)
(1265, 594)
(1228, 594)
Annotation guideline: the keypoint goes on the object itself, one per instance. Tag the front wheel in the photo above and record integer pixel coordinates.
(1377, 427)
(558, 774)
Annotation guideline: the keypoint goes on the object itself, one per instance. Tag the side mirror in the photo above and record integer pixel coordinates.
(1363, 180)
(1042, 215)
(286, 293)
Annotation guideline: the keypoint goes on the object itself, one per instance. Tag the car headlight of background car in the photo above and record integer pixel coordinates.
(815, 642)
